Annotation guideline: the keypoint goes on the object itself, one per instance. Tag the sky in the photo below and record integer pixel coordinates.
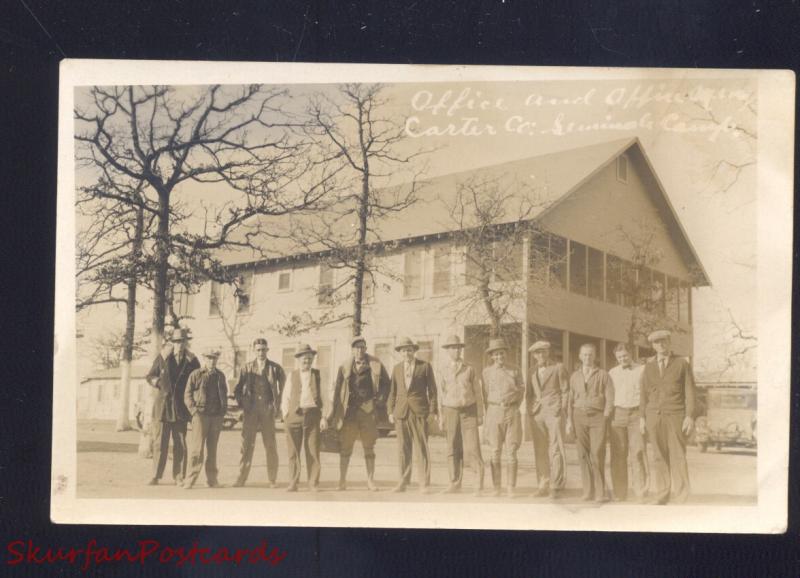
(700, 134)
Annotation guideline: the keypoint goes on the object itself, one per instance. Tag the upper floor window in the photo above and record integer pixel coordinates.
(325, 291)
(442, 269)
(182, 301)
(285, 281)
(622, 168)
(595, 273)
(215, 299)
(577, 268)
(243, 292)
(412, 273)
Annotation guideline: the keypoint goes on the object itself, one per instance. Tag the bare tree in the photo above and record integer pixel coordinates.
(107, 349)
(357, 136)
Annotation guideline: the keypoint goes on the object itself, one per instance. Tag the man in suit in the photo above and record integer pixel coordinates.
(667, 406)
(627, 441)
(362, 383)
(460, 415)
(168, 375)
(547, 397)
(503, 392)
(591, 405)
(258, 393)
(412, 399)
(301, 408)
(207, 400)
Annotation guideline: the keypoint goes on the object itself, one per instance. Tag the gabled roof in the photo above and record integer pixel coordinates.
(540, 183)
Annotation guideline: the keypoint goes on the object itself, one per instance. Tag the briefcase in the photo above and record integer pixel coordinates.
(329, 440)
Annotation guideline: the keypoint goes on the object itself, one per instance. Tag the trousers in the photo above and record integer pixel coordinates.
(590, 437)
(503, 430)
(204, 439)
(259, 419)
(670, 471)
(627, 451)
(358, 424)
(412, 433)
(548, 450)
(161, 433)
(463, 442)
(302, 433)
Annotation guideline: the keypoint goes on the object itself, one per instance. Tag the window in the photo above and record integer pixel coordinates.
(99, 392)
(182, 301)
(558, 262)
(244, 290)
(508, 260)
(658, 292)
(287, 359)
(628, 284)
(614, 280)
(684, 295)
(425, 351)
(239, 359)
(622, 168)
(215, 301)
(383, 351)
(324, 362)
(285, 281)
(442, 269)
(538, 255)
(577, 268)
(325, 291)
(596, 274)
(412, 273)
(672, 298)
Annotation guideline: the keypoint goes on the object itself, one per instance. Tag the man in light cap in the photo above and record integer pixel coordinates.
(169, 374)
(412, 398)
(301, 408)
(503, 392)
(258, 393)
(460, 415)
(362, 383)
(667, 406)
(207, 400)
(547, 398)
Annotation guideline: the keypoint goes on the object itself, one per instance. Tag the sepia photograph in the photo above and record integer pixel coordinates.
(367, 295)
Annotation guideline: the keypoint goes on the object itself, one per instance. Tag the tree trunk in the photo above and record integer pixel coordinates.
(361, 251)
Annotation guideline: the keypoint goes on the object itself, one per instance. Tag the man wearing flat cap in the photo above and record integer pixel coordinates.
(412, 399)
(206, 398)
(169, 374)
(258, 393)
(362, 383)
(460, 415)
(667, 404)
(547, 398)
(503, 392)
(301, 408)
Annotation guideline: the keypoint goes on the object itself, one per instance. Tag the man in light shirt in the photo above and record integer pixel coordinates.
(301, 408)
(627, 441)
(460, 415)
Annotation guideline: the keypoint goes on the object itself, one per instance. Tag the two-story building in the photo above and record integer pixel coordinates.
(588, 203)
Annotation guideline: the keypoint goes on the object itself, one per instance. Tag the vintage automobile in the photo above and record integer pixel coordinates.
(232, 416)
(730, 419)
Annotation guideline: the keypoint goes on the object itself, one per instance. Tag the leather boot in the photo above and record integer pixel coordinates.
(371, 474)
(512, 479)
(497, 481)
(344, 462)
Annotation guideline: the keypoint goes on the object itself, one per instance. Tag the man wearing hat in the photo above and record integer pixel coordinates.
(258, 393)
(207, 400)
(503, 392)
(591, 405)
(301, 408)
(361, 383)
(460, 415)
(168, 374)
(547, 398)
(412, 398)
(667, 404)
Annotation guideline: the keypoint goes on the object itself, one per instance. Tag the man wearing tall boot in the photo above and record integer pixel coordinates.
(503, 392)
(301, 407)
(169, 374)
(412, 400)
(207, 400)
(258, 393)
(547, 397)
(362, 383)
(460, 415)
(667, 404)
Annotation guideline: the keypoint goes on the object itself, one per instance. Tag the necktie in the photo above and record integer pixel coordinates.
(662, 365)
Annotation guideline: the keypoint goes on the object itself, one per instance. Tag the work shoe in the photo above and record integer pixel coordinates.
(153, 482)
(401, 487)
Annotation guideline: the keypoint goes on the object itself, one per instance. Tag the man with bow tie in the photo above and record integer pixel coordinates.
(667, 406)
(301, 408)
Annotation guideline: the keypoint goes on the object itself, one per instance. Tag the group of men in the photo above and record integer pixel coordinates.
(624, 407)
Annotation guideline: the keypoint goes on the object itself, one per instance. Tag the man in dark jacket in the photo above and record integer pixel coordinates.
(168, 375)
(258, 393)
(412, 399)
(667, 407)
(207, 400)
